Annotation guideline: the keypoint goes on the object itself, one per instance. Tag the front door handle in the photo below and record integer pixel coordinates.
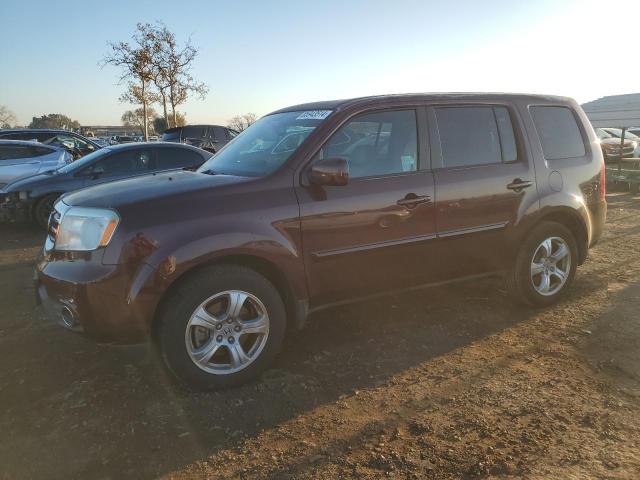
(517, 185)
(411, 200)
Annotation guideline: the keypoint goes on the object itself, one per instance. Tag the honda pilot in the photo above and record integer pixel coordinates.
(320, 204)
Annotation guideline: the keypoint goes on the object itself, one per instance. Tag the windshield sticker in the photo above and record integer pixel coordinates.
(314, 115)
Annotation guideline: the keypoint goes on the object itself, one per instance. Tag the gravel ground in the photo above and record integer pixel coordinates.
(452, 382)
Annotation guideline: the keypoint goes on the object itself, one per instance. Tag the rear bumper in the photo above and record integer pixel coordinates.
(598, 213)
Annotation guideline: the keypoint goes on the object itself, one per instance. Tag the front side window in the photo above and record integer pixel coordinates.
(380, 143)
(475, 136)
(129, 161)
(263, 147)
(559, 133)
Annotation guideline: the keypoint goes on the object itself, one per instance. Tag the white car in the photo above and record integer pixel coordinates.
(20, 159)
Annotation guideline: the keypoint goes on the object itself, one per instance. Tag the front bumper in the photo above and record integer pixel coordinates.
(109, 303)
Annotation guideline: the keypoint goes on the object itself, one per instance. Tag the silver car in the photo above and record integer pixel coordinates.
(20, 159)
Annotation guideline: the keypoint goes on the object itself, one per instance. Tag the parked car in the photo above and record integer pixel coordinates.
(207, 137)
(635, 131)
(118, 139)
(100, 141)
(32, 198)
(75, 143)
(628, 135)
(21, 159)
(216, 265)
(610, 146)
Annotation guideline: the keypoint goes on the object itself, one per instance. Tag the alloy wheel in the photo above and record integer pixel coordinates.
(550, 266)
(227, 332)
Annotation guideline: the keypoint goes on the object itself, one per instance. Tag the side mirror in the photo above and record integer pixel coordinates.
(330, 172)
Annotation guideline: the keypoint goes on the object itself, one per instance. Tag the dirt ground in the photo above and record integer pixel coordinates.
(452, 382)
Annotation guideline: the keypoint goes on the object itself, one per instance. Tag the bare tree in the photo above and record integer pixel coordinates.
(136, 62)
(241, 122)
(135, 118)
(172, 66)
(7, 117)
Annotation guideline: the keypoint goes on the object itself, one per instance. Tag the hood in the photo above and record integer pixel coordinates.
(147, 187)
(615, 142)
(27, 183)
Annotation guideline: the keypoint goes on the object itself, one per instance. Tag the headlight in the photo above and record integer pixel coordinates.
(86, 229)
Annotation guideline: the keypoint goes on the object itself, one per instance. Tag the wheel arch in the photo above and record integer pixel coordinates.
(571, 219)
(297, 309)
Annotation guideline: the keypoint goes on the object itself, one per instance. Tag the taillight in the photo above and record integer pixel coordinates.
(603, 182)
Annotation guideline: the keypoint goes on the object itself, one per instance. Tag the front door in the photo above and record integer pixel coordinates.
(484, 182)
(372, 234)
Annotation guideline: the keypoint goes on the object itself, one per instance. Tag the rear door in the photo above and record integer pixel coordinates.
(484, 181)
(373, 234)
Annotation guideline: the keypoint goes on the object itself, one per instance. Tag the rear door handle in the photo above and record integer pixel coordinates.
(411, 200)
(518, 184)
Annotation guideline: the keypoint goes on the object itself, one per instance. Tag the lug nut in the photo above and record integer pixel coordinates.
(237, 328)
(231, 339)
(218, 326)
(219, 338)
(229, 320)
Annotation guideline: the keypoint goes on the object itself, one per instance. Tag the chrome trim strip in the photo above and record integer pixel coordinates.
(371, 246)
(465, 231)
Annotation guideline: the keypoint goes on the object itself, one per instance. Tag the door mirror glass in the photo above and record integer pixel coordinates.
(330, 172)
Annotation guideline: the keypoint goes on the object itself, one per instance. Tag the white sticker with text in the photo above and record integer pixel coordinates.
(314, 115)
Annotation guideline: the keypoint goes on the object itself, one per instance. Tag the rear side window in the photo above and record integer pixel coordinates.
(476, 136)
(558, 131)
(169, 158)
(194, 132)
(172, 135)
(14, 152)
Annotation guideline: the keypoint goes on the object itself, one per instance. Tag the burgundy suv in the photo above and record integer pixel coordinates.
(320, 204)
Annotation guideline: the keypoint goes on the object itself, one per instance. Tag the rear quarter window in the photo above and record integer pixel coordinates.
(559, 133)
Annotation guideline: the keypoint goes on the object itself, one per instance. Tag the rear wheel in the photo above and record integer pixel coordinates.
(545, 265)
(43, 209)
(221, 328)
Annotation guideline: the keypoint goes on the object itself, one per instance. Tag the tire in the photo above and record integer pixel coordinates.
(181, 339)
(528, 288)
(43, 209)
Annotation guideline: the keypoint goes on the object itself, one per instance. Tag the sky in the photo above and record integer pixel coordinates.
(258, 56)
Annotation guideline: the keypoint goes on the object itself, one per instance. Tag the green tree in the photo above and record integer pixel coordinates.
(160, 124)
(54, 120)
(135, 118)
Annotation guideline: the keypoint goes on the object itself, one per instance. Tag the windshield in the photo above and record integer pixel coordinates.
(266, 145)
(81, 163)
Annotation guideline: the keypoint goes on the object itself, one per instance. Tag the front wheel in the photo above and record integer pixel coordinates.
(545, 265)
(43, 209)
(221, 328)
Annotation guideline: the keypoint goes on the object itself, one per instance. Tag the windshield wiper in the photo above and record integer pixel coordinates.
(209, 172)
